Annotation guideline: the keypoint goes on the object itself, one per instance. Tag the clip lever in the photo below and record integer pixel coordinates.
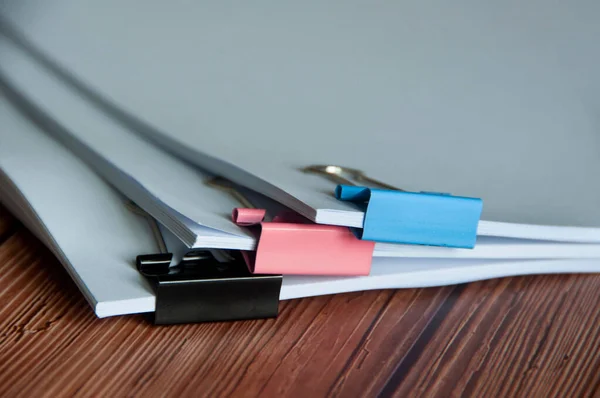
(397, 216)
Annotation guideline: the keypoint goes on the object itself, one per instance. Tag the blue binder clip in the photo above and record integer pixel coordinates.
(397, 216)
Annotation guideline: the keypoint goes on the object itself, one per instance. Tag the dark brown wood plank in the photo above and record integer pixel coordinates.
(527, 336)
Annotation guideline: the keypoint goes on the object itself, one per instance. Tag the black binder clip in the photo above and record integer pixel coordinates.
(202, 289)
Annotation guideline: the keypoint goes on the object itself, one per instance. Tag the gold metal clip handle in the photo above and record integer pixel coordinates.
(227, 186)
(347, 176)
(160, 241)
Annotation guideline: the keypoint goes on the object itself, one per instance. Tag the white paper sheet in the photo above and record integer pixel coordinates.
(161, 184)
(490, 100)
(76, 214)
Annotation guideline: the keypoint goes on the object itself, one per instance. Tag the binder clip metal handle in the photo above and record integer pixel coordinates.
(292, 245)
(347, 176)
(396, 216)
(201, 288)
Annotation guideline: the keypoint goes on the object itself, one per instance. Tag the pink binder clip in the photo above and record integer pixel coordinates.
(292, 245)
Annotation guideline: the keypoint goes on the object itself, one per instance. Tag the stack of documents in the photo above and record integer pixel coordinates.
(266, 152)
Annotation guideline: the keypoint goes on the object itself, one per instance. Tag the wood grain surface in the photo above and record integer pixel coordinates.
(515, 337)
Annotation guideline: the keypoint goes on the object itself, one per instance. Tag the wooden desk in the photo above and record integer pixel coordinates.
(527, 336)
